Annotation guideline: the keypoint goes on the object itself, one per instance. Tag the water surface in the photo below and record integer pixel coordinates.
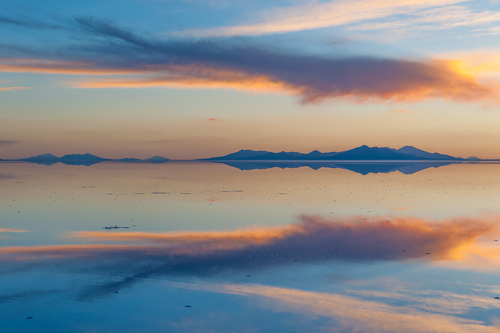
(200, 247)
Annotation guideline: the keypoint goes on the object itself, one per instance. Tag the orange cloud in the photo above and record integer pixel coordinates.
(194, 77)
(313, 79)
(12, 88)
(406, 81)
(12, 230)
(26, 65)
(213, 119)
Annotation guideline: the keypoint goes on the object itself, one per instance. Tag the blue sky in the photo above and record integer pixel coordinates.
(193, 79)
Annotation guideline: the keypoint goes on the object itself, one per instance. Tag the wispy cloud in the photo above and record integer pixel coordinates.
(313, 15)
(447, 17)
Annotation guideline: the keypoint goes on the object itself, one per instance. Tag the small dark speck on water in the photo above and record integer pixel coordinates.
(187, 306)
(496, 297)
(116, 292)
(29, 317)
(248, 275)
(428, 253)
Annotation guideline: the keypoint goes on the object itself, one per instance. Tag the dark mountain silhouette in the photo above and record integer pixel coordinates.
(422, 153)
(278, 156)
(41, 158)
(242, 154)
(266, 155)
(157, 159)
(360, 153)
(85, 159)
(81, 159)
(315, 154)
(45, 159)
(375, 153)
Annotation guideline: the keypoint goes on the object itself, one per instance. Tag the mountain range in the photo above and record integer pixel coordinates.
(407, 153)
(85, 159)
(362, 153)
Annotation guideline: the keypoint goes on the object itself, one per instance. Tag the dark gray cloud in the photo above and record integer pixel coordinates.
(30, 24)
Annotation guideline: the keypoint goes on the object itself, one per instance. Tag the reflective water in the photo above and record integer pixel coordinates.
(201, 247)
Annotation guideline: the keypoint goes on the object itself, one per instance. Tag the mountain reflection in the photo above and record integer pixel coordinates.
(360, 167)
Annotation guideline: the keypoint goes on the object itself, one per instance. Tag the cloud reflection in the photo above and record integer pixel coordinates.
(313, 239)
(352, 314)
(135, 256)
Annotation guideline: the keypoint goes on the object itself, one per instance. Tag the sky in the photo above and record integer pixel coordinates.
(196, 79)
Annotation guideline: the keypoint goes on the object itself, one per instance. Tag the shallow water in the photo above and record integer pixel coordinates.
(125, 247)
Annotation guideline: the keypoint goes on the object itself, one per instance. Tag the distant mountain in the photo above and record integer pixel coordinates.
(315, 154)
(422, 153)
(85, 159)
(81, 159)
(277, 156)
(158, 159)
(41, 158)
(360, 153)
(241, 155)
(45, 159)
(473, 158)
(262, 155)
(366, 153)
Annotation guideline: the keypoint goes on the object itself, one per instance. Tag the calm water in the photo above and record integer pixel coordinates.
(200, 247)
